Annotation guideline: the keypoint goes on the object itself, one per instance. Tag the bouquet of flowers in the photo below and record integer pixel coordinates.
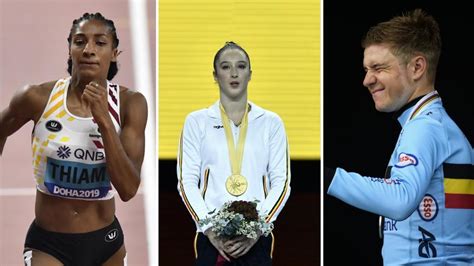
(238, 218)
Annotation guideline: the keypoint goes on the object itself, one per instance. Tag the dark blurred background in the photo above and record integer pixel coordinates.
(356, 136)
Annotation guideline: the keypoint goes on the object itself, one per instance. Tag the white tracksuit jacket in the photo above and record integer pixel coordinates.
(204, 165)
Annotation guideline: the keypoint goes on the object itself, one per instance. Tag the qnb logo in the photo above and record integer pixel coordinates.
(85, 155)
(53, 126)
(406, 159)
(63, 152)
(111, 235)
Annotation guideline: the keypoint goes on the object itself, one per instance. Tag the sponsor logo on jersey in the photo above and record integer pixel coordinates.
(53, 126)
(390, 225)
(388, 181)
(406, 159)
(63, 152)
(218, 126)
(428, 208)
(87, 155)
(111, 235)
(95, 135)
(426, 249)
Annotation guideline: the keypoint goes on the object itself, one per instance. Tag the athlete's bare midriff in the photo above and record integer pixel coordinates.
(72, 216)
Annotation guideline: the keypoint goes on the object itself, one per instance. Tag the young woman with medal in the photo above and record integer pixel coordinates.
(233, 150)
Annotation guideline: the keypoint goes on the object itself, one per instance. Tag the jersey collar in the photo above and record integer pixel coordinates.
(416, 106)
(255, 111)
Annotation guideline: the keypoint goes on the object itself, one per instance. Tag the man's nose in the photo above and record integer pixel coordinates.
(369, 79)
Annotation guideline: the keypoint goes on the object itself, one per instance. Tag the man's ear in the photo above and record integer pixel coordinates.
(418, 67)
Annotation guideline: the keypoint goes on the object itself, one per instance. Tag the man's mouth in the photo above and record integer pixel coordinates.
(376, 91)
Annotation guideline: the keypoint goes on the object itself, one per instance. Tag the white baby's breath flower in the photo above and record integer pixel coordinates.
(229, 224)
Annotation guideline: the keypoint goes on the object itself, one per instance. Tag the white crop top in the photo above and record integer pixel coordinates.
(68, 151)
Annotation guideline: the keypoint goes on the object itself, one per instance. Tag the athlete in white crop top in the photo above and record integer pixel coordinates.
(88, 142)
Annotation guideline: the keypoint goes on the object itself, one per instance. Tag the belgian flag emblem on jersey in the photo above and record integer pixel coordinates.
(459, 186)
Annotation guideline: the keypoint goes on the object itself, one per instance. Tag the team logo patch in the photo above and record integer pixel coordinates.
(406, 159)
(53, 126)
(428, 208)
(63, 152)
(111, 235)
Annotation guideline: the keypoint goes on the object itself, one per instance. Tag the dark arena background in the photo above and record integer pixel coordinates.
(358, 138)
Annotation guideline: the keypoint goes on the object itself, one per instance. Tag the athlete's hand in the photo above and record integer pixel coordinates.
(95, 96)
(239, 246)
(217, 242)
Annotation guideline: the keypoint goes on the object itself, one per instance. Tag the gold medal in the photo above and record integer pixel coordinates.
(236, 185)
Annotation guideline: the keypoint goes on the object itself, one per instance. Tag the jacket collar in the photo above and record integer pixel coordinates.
(411, 109)
(254, 113)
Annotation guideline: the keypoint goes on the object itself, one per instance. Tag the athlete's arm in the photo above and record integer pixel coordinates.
(189, 170)
(125, 152)
(279, 172)
(26, 105)
(421, 150)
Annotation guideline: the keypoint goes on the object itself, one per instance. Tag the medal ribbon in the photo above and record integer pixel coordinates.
(235, 155)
